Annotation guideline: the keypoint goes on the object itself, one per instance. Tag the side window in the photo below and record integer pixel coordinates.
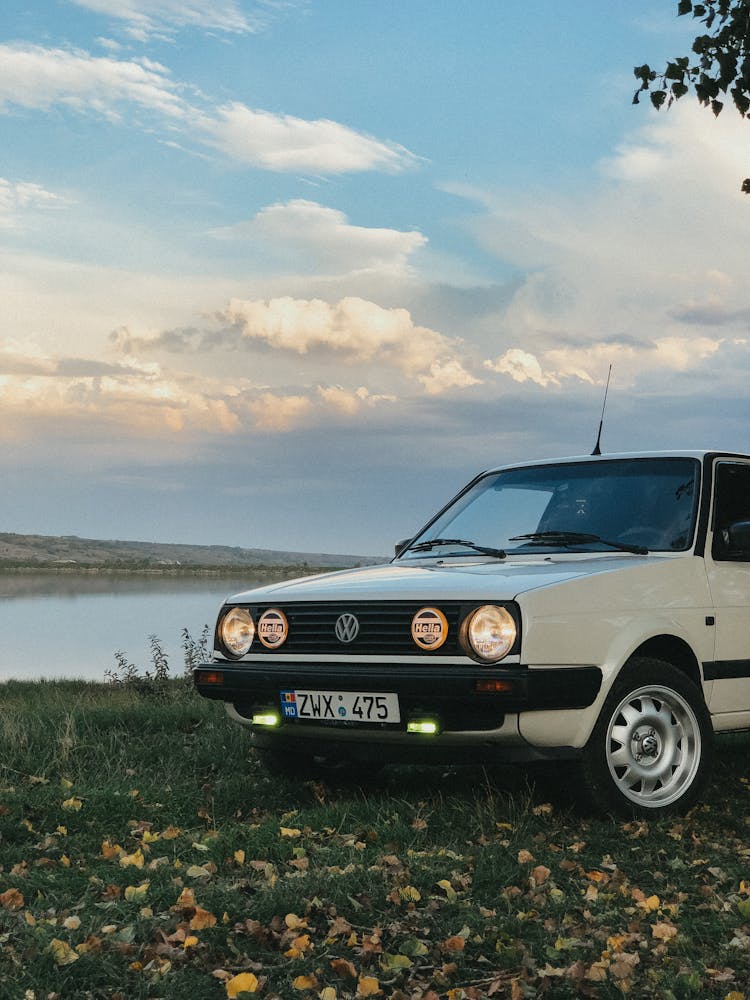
(732, 512)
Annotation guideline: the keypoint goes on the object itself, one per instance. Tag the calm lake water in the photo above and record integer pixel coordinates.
(60, 625)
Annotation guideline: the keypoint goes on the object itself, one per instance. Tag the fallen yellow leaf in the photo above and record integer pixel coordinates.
(62, 952)
(409, 894)
(245, 982)
(448, 889)
(623, 966)
(305, 982)
(202, 919)
(134, 893)
(650, 904)
(197, 871)
(11, 899)
(299, 946)
(616, 942)
(186, 899)
(540, 874)
(392, 963)
(287, 831)
(110, 850)
(454, 943)
(132, 860)
(367, 986)
(343, 967)
(73, 803)
(664, 931)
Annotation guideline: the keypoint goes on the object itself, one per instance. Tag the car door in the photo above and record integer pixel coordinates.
(728, 568)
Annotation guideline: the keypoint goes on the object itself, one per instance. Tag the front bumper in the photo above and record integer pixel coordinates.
(464, 699)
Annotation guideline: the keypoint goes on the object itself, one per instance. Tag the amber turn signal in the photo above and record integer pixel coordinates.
(211, 677)
(493, 686)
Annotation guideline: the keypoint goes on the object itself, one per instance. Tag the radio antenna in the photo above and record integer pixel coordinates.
(597, 447)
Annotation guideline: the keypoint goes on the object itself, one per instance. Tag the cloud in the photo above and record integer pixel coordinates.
(39, 78)
(521, 367)
(18, 358)
(618, 271)
(148, 17)
(273, 412)
(445, 375)
(590, 363)
(19, 197)
(357, 330)
(142, 398)
(286, 143)
(32, 76)
(135, 396)
(711, 311)
(308, 236)
(350, 402)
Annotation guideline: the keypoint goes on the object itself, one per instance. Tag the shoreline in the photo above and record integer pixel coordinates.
(187, 571)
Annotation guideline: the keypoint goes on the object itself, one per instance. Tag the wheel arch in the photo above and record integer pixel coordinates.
(669, 649)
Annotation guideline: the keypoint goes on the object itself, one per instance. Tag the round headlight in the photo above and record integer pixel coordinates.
(237, 631)
(489, 632)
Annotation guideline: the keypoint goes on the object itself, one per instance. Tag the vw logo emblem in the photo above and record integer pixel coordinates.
(347, 628)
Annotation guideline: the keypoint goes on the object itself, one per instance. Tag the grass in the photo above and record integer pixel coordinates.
(146, 853)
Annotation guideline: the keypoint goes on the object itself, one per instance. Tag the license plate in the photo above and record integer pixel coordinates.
(341, 706)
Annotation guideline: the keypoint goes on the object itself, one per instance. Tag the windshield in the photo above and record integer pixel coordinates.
(633, 504)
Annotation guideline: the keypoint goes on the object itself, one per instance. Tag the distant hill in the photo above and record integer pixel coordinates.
(70, 552)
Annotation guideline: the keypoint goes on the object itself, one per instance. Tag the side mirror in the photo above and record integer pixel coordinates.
(738, 536)
(400, 546)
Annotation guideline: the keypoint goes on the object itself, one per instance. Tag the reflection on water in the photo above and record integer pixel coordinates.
(71, 625)
(72, 585)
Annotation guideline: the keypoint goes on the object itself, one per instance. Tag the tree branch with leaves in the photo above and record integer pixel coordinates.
(719, 68)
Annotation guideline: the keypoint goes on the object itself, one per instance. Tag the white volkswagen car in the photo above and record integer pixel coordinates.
(591, 608)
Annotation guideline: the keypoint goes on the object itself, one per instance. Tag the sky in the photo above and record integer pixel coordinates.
(288, 273)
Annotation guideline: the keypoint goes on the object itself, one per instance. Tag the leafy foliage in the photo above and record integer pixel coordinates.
(155, 681)
(721, 63)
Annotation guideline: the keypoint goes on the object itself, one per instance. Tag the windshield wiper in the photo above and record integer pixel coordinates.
(566, 538)
(434, 542)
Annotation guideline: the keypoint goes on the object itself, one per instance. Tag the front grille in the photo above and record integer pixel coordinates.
(384, 627)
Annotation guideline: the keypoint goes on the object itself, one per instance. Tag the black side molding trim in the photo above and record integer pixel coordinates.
(724, 670)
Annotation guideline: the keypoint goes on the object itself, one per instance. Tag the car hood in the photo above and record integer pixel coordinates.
(458, 580)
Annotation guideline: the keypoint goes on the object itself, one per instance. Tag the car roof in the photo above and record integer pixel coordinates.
(697, 453)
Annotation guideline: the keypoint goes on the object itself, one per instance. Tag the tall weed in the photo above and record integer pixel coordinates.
(155, 681)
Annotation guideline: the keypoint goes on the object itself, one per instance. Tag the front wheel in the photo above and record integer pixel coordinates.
(652, 746)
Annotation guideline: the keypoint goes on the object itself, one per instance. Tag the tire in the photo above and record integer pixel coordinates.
(652, 747)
